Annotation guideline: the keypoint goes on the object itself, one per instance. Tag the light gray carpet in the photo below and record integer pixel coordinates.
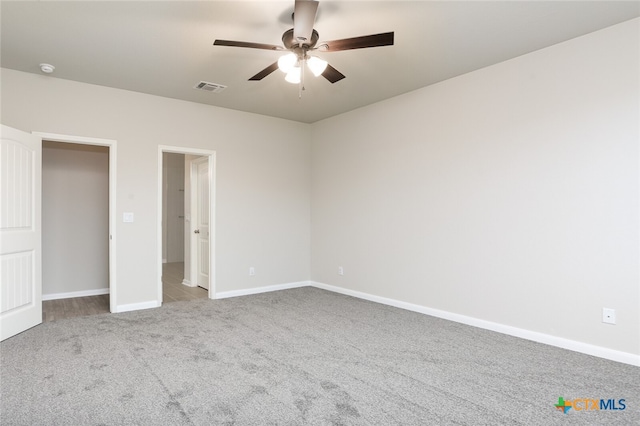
(302, 356)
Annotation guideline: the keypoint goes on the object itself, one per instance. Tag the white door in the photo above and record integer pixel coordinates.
(202, 224)
(20, 231)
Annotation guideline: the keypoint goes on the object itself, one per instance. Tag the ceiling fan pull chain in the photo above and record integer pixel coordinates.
(303, 64)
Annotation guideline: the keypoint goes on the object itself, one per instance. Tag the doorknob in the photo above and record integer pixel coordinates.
(197, 231)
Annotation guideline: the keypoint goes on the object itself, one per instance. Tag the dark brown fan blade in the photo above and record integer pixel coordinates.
(265, 72)
(304, 17)
(332, 74)
(247, 44)
(374, 40)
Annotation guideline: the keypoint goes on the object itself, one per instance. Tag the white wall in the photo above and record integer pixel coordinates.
(75, 218)
(508, 195)
(262, 176)
(173, 208)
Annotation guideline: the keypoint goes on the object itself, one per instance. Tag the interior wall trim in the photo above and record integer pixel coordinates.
(72, 294)
(137, 306)
(257, 290)
(572, 345)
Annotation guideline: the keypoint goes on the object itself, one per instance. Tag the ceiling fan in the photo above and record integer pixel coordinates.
(303, 39)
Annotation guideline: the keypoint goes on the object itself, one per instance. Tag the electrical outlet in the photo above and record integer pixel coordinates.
(340, 270)
(252, 271)
(608, 316)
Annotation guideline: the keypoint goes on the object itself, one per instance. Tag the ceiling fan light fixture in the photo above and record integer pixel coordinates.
(293, 76)
(316, 65)
(287, 62)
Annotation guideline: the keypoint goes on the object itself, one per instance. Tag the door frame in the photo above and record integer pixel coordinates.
(211, 158)
(112, 145)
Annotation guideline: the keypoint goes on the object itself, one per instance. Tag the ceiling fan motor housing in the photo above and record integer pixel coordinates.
(291, 43)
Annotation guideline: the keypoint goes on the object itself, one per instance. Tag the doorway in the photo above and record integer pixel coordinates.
(176, 282)
(186, 247)
(88, 153)
(75, 229)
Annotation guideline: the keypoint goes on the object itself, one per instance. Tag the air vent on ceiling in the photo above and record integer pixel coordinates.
(210, 87)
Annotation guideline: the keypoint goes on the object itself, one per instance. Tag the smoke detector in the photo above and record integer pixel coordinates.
(47, 68)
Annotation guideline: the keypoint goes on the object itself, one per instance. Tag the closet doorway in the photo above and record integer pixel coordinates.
(78, 203)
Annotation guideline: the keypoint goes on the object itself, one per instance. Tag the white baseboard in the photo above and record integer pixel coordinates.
(572, 345)
(164, 260)
(188, 283)
(72, 294)
(137, 306)
(257, 290)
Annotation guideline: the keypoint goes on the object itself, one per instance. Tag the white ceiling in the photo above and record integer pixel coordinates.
(165, 48)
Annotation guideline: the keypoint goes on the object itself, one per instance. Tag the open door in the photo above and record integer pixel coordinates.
(20, 231)
(202, 222)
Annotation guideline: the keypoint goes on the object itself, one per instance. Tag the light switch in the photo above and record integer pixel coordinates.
(127, 217)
